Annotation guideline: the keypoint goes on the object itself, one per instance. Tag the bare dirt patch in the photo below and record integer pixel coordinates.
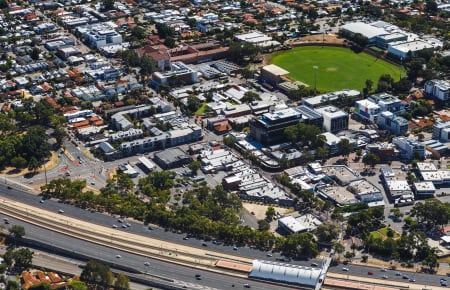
(260, 209)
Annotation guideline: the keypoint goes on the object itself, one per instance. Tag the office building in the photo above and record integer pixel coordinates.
(437, 89)
(334, 119)
(395, 124)
(269, 128)
(410, 148)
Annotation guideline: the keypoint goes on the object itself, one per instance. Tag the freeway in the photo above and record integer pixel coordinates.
(180, 274)
(139, 228)
(361, 270)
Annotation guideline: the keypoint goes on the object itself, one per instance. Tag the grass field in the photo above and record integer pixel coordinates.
(338, 68)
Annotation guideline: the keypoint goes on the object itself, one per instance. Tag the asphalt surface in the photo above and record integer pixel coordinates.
(139, 228)
(359, 270)
(182, 275)
(156, 232)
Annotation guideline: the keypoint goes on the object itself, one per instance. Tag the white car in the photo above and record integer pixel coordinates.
(118, 256)
(60, 211)
(114, 226)
(345, 269)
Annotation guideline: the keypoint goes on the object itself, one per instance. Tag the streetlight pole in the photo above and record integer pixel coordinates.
(315, 68)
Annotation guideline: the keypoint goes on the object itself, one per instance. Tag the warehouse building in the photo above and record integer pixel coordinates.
(172, 158)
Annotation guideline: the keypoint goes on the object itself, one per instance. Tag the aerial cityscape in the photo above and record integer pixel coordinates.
(212, 144)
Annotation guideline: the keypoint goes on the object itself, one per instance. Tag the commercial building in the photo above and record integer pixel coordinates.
(273, 74)
(293, 225)
(257, 38)
(410, 149)
(395, 124)
(172, 158)
(405, 50)
(180, 74)
(309, 116)
(438, 89)
(100, 34)
(147, 164)
(269, 128)
(441, 131)
(383, 41)
(334, 119)
(365, 29)
(333, 98)
(388, 102)
(367, 110)
(385, 151)
(424, 189)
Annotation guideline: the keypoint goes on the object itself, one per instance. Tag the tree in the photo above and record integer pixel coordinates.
(18, 162)
(35, 52)
(250, 97)
(300, 245)
(345, 147)
(194, 166)
(327, 232)
(13, 285)
(138, 33)
(369, 85)
(348, 255)
(21, 258)
(59, 133)
(371, 159)
(193, 104)
(263, 225)
(96, 274)
(339, 248)
(17, 231)
(108, 4)
(41, 286)
(270, 212)
(148, 65)
(122, 282)
(170, 42)
(385, 83)
(322, 153)
(247, 73)
(77, 285)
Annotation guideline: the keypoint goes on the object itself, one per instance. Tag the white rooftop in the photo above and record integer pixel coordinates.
(365, 29)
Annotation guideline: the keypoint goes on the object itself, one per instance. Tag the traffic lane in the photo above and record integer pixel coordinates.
(139, 228)
(157, 267)
(359, 270)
